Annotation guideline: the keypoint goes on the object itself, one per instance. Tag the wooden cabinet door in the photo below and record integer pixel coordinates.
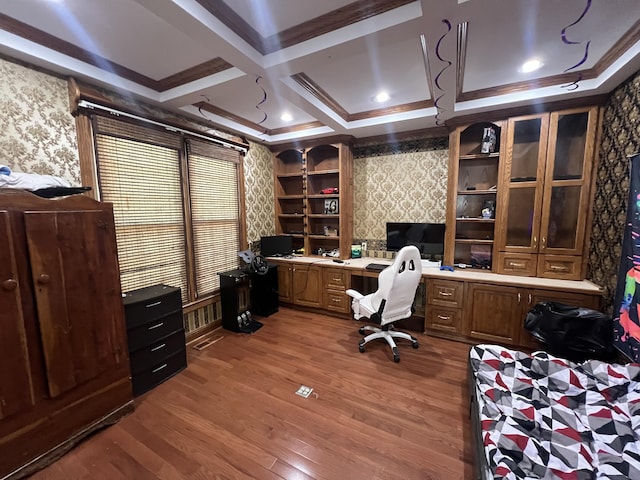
(284, 282)
(567, 181)
(306, 286)
(494, 312)
(77, 288)
(520, 190)
(16, 393)
(532, 297)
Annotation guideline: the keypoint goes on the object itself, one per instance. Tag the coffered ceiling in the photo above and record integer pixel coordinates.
(241, 64)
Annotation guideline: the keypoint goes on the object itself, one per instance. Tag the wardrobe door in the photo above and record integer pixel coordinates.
(16, 393)
(77, 289)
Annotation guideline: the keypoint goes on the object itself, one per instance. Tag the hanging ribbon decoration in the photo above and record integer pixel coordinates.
(440, 109)
(200, 106)
(264, 99)
(574, 85)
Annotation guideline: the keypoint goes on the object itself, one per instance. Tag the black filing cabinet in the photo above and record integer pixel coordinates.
(156, 337)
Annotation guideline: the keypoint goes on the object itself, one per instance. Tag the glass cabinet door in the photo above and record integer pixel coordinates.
(569, 160)
(523, 176)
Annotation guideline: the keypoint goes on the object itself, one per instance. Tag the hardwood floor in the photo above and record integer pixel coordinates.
(233, 413)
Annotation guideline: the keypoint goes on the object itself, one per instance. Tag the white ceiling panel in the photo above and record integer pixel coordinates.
(209, 56)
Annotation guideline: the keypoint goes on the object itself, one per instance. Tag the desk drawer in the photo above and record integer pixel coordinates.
(446, 293)
(523, 264)
(444, 319)
(337, 301)
(158, 373)
(154, 331)
(559, 266)
(144, 305)
(335, 278)
(146, 357)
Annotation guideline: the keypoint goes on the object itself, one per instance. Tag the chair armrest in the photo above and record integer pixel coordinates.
(355, 294)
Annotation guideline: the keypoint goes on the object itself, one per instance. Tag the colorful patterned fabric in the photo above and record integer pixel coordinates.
(545, 417)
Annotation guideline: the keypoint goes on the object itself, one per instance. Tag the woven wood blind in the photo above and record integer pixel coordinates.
(139, 172)
(213, 191)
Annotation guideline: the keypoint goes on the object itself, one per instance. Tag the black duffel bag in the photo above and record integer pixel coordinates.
(571, 332)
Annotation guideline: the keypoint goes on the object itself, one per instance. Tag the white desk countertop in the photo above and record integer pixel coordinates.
(459, 274)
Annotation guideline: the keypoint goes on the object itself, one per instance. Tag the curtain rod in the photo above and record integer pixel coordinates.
(219, 141)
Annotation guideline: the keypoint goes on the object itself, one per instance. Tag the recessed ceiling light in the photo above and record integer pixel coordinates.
(531, 65)
(382, 97)
(286, 117)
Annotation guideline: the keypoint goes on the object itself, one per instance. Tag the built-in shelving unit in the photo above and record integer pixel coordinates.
(473, 190)
(314, 198)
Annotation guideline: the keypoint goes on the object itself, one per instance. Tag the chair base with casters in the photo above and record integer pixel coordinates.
(388, 333)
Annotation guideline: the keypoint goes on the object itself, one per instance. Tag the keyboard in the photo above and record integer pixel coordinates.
(376, 267)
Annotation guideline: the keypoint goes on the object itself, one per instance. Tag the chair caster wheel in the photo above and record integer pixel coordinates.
(396, 358)
(361, 331)
(361, 348)
(415, 345)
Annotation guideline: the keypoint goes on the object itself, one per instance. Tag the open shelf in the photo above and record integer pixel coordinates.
(475, 220)
(477, 192)
(475, 165)
(479, 156)
(322, 221)
(474, 241)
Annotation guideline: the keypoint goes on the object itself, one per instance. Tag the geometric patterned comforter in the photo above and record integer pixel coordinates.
(545, 417)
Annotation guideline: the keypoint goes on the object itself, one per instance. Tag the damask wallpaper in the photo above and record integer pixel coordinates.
(620, 139)
(38, 132)
(398, 182)
(403, 181)
(259, 195)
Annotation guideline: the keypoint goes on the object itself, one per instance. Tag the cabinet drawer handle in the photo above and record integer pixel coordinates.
(156, 370)
(516, 264)
(544, 243)
(444, 317)
(9, 285)
(337, 280)
(336, 300)
(535, 242)
(559, 268)
(445, 294)
(153, 304)
(44, 278)
(159, 347)
(156, 326)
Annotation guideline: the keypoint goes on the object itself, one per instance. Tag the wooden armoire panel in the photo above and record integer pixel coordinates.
(76, 294)
(15, 382)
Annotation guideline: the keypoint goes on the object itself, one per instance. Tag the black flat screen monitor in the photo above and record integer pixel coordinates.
(428, 237)
(276, 246)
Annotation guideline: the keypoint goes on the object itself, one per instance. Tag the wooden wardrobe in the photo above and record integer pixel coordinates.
(65, 366)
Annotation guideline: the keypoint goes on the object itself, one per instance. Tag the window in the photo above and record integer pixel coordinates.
(213, 188)
(176, 205)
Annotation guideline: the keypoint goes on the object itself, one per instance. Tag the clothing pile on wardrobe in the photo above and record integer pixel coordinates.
(29, 181)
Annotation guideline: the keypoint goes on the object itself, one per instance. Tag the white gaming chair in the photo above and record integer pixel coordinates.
(397, 285)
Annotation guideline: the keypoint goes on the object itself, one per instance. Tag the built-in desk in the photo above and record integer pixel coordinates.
(466, 304)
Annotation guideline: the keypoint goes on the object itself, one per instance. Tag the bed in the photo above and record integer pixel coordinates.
(539, 416)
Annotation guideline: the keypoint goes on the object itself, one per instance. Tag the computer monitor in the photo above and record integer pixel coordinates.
(276, 246)
(428, 237)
